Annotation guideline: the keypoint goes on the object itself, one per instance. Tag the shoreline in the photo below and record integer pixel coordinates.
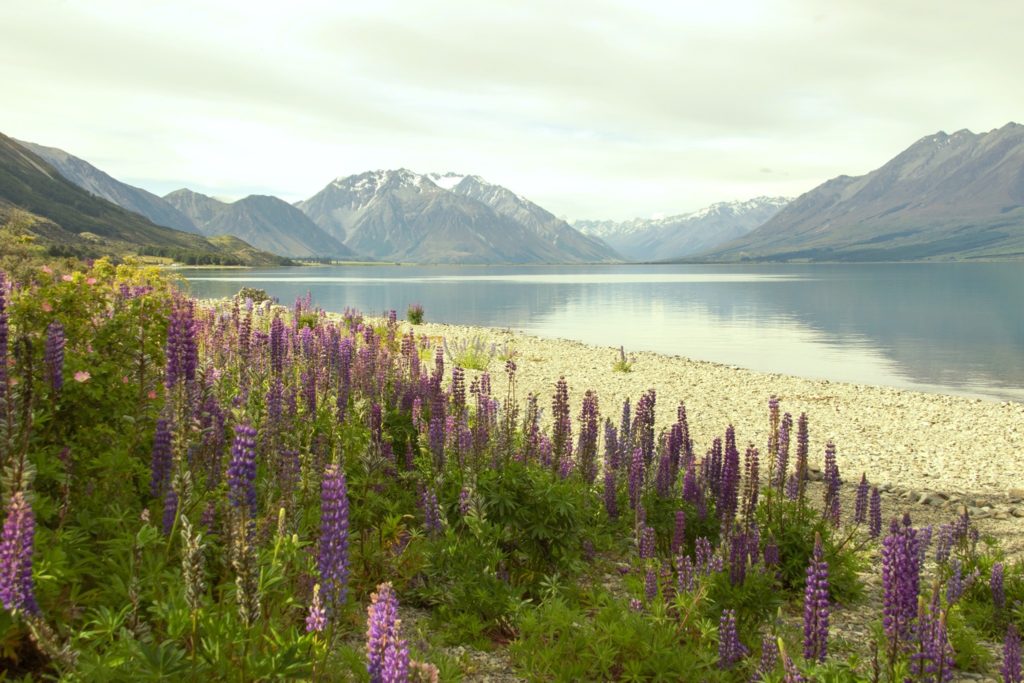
(900, 438)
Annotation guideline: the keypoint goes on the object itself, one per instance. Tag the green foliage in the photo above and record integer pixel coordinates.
(622, 364)
(414, 314)
(605, 640)
(472, 354)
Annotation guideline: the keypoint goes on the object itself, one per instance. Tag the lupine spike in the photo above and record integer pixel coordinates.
(17, 588)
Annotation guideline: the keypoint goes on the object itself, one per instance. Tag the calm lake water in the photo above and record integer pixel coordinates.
(953, 328)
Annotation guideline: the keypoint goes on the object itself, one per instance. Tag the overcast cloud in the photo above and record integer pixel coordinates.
(594, 109)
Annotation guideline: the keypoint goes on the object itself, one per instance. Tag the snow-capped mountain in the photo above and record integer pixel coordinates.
(404, 216)
(656, 239)
(570, 242)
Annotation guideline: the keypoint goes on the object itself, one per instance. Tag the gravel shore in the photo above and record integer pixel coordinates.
(906, 440)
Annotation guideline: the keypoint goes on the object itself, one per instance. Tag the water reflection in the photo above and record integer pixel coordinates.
(944, 327)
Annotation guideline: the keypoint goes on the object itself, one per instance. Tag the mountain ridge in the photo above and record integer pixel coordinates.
(946, 196)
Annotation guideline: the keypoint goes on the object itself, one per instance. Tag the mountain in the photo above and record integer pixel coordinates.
(68, 220)
(93, 180)
(571, 243)
(200, 208)
(686, 234)
(265, 222)
(958, 196)
(404, 216)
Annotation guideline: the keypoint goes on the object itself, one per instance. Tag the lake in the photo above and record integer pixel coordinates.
(952, 328)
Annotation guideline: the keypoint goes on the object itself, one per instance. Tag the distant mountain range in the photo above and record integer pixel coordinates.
(263, 221)
(69, 220)
(958, 196)
(399, 215)
(684, 235)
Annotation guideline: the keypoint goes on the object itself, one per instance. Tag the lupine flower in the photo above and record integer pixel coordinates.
(802, 441)
(832, 484)
(383, 634)
(1011, 668)
(650, 585)
(679, 533)
(875, 525)
(587, 450)
(181, 349)
(647, 541)
(900, 582)
(636, 477)
(769, 657)
(465, 502)
(170, 510)
(686, 573)
(730, 485)
(316, 620)
(730, 649)
(738, 559)
(816, 608)
(771, 554)
(791, 672)
(636, 605)
(277, 348)
(332, 561)
(933, 662)
(996, 585)
(54, 356)
(860, 506)
(943, 544)
(625, 435)
(17, 589)
(242, 469)
(160, 469)
(611, 504)
(784, 431)
(431, 512)
(643, 425)
(792, 487)
(561, 429)
(751, 484)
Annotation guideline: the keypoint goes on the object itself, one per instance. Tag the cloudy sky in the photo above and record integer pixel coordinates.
(594, 109)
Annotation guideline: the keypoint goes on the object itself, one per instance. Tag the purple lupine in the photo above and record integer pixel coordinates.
(650, 585)
(625, 435)
(751, 485)
(611, 503)
(160, 468)
(242, 469)
(332, 559)
(738, 559)
(691, 489)
(995, 584)
(730, 649)
(458, 388)
(791, 673)
(730, 482)
(769, 657)
(611, 446)
(561, 429)
(679, 533)
(170, 510)
(308, 383)
(875, 513)
(686, 574)
(383, 633)
(772, 557)
(54, 356)
(933, 662)
(643, 425)
(816, 608)
(17, 589)
(792, 487)
(1011, 668)
(663, 477)
(783, 465)
(773, 437)
(636, 478)
(431, 511)
(860, 506)
(181, 350)
(316, 620)
(901, 576)
(802, 442)
(277, 345)
(924, 539)
(943, 544)
(465, 502)
(587, 449)
(832, 484)
(647, 542)
(685, 443)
